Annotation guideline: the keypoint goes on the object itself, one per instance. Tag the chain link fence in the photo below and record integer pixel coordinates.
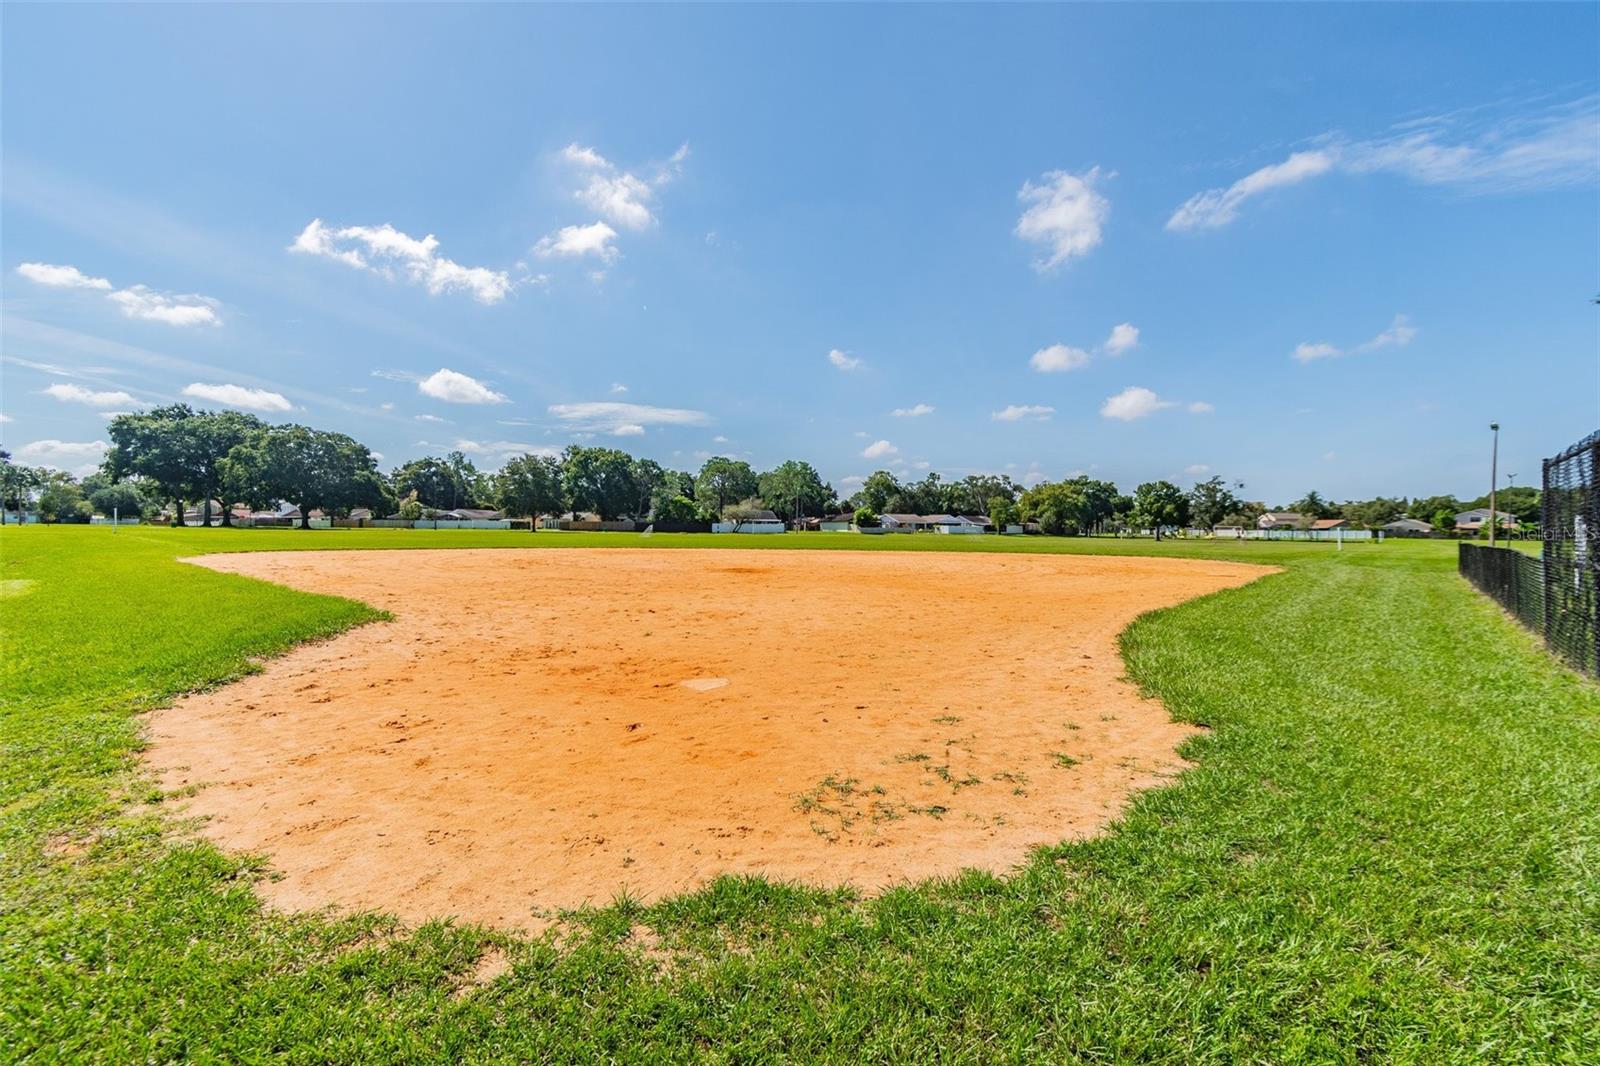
(1557, 595)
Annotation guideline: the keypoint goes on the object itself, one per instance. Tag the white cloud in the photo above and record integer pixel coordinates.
(1306, 352)
(618, 195)
(137, 301)
(1200, 407)
(376, 247)
(719, 439)
(75, 457)
(1124, 338)
(454, 387)
(618, 388)
(1549, 148)
(1218, 207)
(238, 396)
(915, 411)
(844, 361)
(79, 394)
(1399, 334)
(1197, 469)
(573, 241)
(624, 419)
(61, 277)
(4, 418)
(1133, 402)
(429, 418)
(503, 448)
(1057, 358)
(878, 449)
(1064, 213)
(1026, 412)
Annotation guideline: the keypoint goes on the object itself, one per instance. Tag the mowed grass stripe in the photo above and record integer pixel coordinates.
(1389, 849)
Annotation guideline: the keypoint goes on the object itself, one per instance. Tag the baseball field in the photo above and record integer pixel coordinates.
(524, 797)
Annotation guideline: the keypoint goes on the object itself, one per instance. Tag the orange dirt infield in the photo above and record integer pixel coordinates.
(541, 728)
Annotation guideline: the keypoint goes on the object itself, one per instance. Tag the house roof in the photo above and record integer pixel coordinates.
(1283, 516)
(904, 518)
(1415, 524)
(1328, 523)
(1478, 514)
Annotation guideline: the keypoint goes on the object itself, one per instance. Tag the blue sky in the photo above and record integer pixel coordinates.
(1303, 247)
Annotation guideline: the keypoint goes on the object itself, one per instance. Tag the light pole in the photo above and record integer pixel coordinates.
(1494, 478)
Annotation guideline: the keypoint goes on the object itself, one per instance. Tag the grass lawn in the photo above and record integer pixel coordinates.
(1389, 851)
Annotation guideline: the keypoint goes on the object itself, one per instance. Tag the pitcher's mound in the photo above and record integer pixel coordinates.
(542, 728)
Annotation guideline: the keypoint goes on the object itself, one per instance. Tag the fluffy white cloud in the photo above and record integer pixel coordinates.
(1133, 402)
(61, 277)
(878, 449)
(75, 457)
(844, 361)
(136, 301)
(1200, 407)
(573, 241)
(618, 388)
(429, 418)
(624, 419)
(620, 196)
(1025, 412)
(1124, 338)
(915, 411)
(4, 418)
(379, 248)
(1196, 469)
(188, 310)
(79, 394)
(238, 396)
(1057, 358)
(1063, 213)
(1399, 334)
(1547, 148)
(454, 387)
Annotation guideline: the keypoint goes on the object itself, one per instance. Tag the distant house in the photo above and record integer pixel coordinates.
(1330, 523)
(1281, 520)
(1472, 521)
(468, 514)
(1407, 527)
(837, 523)
(752, 522)
(904, 523)
(955, 523)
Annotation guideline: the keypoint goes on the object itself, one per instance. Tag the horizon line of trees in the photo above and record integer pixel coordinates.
(176, 455)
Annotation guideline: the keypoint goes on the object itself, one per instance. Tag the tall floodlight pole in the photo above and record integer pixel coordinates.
(1494, 478)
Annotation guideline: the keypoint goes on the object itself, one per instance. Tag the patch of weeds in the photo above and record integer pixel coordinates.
(947, 719)
(913, 756)
(1063, 760)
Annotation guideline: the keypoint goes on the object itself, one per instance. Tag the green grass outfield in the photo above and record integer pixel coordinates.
(1388, 851)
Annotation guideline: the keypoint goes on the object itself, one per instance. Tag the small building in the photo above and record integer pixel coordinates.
(1327, 524)
(1407, 527)
(468, 514)
(753, 522)
(947, 523)
(1472, 521)
(837, 523)
(1280, 520)
(904, 523)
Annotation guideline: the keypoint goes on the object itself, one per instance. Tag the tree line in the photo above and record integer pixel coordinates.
(175, 455)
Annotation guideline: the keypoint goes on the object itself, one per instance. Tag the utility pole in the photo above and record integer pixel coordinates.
(1494, 479)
